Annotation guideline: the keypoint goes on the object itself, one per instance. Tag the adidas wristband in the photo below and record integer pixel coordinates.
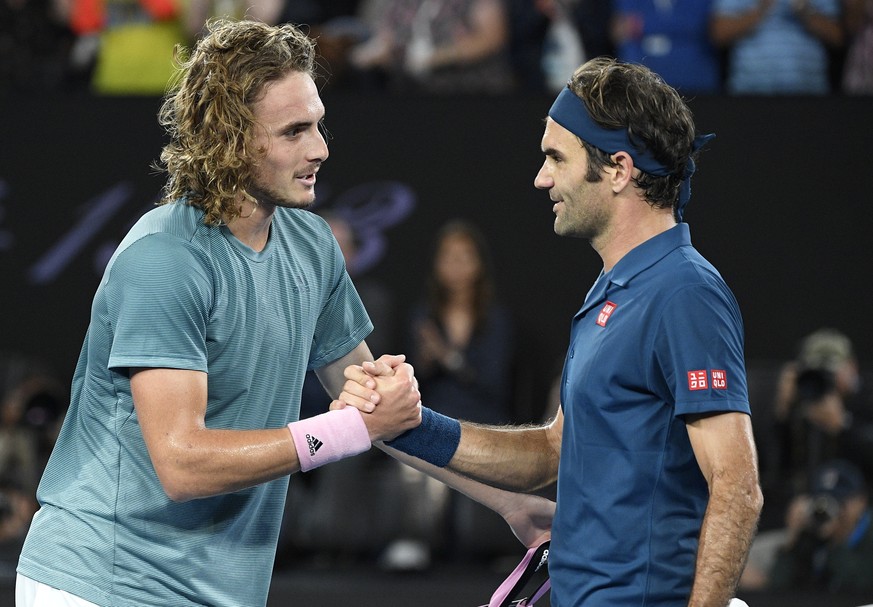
(329, 437)
(435, 440)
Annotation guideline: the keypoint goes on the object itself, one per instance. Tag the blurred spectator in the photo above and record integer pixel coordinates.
(551, 38)
(821, 413)
(34, 45)
(777, 46)
(828, 542)
(127, 45)
(461, 336)
(527, 31)
(197, 12)
(439, 46)
(858, 67)
(592, 17)
(19, 465)
(336, 26)
(671, 37)
(462, 351)
(563, 49)
(32, 403)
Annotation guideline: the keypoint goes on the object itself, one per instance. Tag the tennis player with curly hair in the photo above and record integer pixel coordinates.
(169, 477)
(168, 480)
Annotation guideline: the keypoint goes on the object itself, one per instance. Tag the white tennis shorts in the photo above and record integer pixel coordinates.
(30, 593)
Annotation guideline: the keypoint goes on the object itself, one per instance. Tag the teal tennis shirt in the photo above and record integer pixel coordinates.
(181, 294)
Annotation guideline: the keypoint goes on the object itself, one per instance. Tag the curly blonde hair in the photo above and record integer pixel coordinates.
(208, 113)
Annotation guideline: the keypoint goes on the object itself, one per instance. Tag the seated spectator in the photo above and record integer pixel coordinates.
(777, 46)
(828, 542)
(672, 39)
(440, 46)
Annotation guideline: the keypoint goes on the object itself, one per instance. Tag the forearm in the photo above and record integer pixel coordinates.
(529, 516)
(518, 458)
(725, 29)
(213, 462)
(489, 35)
(496, 499)
(728, 528)
(824, 28)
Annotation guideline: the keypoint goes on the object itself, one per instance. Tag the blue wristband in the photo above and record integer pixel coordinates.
(435, 440)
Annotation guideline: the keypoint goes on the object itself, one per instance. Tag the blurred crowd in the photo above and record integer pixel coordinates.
(742, 47)
(813, 422)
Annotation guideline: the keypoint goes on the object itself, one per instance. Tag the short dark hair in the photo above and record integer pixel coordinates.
(632, 97)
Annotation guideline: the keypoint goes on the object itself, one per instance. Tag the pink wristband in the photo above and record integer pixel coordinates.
(329, 437)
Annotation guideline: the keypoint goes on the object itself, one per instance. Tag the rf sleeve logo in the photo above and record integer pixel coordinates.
(697, 380)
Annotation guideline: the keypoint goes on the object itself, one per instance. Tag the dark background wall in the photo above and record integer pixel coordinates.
(781, 205)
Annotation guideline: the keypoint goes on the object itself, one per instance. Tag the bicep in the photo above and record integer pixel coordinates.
(170, 404)
(724, 445)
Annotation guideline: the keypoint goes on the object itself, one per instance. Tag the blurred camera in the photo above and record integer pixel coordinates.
(823, 509)
(42, 409)
(814, 383)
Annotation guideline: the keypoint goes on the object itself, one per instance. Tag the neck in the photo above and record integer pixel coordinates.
(630, 229)
(252, 227)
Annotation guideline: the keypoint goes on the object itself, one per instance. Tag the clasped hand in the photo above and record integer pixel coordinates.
(386, 391)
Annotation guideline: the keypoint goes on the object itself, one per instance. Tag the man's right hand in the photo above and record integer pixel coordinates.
(390, 383)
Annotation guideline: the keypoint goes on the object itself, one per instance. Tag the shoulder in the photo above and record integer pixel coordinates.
(174, 221)
(301, 231)
(689, 285)
(166, 239)
(302, 220)
(686, 267)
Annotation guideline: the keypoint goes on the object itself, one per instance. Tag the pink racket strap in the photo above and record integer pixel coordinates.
(540, 593)
(519, 576)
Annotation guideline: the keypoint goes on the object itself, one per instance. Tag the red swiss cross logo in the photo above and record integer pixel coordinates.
(719, 379)
(697, 380)
(605, 313)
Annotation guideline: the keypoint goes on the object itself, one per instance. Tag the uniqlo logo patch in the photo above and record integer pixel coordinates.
(697, 380)
(719, 379)
(605, 313)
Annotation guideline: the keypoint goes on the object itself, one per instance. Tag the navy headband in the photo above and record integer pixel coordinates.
(570, 112)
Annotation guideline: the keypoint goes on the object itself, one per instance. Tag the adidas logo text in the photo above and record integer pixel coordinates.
(314, 444)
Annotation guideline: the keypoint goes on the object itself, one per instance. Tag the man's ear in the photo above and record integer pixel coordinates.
(621, 172)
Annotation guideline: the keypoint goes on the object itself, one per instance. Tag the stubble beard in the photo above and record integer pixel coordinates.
(588, 224)
(266, 195)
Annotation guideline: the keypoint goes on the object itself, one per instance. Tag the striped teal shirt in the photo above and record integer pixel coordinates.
(180, 294)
